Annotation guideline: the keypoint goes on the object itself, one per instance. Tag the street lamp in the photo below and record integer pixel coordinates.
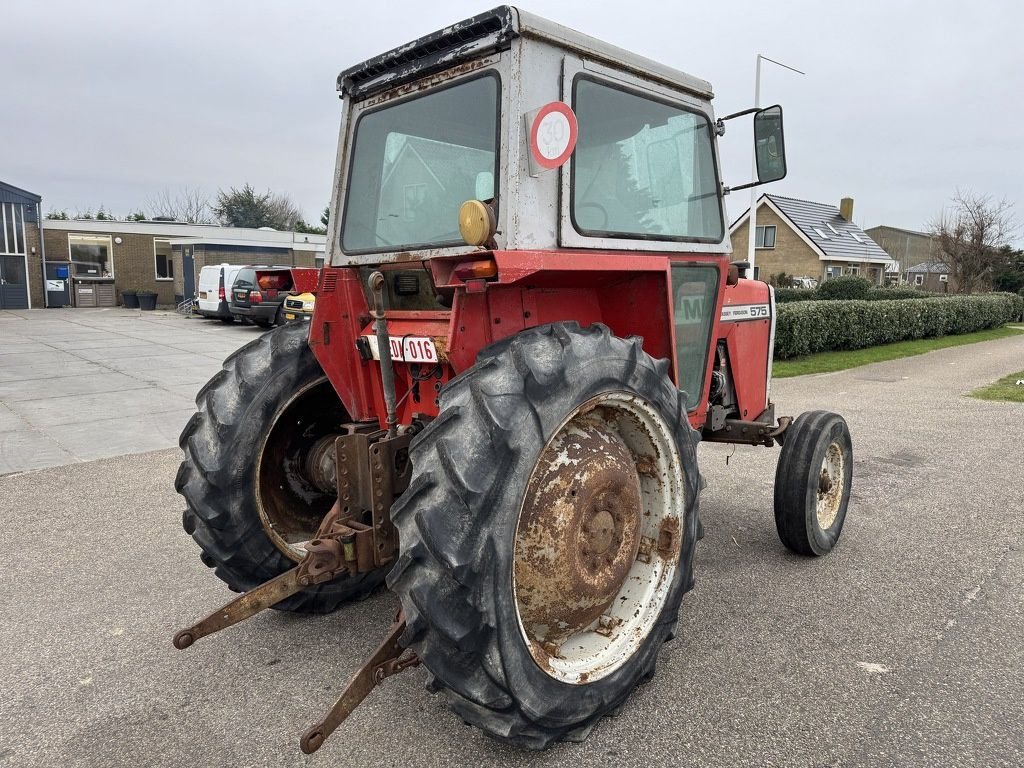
(752, 220)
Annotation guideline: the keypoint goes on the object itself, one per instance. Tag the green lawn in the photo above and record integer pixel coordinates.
(1006, 388)
(838, 361)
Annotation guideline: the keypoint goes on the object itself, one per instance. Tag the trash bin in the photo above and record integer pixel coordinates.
(147, 300)
(130, 299)
(94, 292)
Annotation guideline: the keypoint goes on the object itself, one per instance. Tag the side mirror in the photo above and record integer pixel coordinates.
(769, 145)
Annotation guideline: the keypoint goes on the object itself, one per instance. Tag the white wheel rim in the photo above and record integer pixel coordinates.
(830, 486)
(584, 654)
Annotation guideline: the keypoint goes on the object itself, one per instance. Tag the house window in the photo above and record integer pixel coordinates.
(943, 278)
(853, 270)
(12, 222)
(764, 237)
(918, 279)
(821, 233)
(90, 255)
(833, 272)
(162, 256)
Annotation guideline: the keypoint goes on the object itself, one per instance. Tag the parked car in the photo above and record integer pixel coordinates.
(804, 282)
(213, 297)
(258, 293)
(299, 307)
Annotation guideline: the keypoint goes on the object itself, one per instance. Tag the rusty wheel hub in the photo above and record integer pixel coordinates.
(290, 495)
(590, 572)
(830, 486)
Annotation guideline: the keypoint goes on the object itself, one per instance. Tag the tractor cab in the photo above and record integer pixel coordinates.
(569, 142)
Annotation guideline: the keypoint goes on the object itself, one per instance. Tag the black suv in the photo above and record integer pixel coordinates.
(259, 292)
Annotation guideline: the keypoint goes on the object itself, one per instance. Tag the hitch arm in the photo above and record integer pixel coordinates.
(389, 659)
(242, 607)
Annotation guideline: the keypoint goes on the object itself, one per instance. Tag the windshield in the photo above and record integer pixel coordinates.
(416, 162)
(643, 168)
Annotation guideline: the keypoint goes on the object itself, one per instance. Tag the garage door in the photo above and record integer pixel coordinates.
(13, 285)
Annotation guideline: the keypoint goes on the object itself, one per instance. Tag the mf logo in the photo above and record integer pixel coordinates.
(690, 308)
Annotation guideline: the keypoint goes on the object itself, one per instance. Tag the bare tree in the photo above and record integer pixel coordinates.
(188, 204)
(968, 238)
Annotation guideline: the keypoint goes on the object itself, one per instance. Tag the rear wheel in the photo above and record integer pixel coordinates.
(547, 535)
(250, 502)
(812, 483)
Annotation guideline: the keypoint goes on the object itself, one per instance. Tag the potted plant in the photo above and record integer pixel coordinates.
(147, 299)
(130, 299)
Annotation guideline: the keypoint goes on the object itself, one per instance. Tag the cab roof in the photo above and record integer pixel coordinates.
(493, 31)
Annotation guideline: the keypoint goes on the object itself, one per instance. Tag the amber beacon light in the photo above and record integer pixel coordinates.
(477, 223)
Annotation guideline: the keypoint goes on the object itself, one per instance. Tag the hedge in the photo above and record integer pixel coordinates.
(807, 327)
(787, 295)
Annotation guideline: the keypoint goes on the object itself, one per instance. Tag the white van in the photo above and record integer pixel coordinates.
(214, 292)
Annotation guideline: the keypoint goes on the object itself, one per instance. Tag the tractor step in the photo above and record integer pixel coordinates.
(390, 658)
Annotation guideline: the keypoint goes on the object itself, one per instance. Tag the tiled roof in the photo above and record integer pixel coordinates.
(930, 267)
(835, 236)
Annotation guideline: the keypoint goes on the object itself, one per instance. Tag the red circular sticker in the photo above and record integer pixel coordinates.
(553, 134)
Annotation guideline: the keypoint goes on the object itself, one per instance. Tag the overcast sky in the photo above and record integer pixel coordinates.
(108, 103)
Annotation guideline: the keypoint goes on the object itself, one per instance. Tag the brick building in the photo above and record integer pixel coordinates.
(930, 276)
(100, 259)
(806, 239)
(907, 247)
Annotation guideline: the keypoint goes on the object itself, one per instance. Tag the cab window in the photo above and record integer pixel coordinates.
(643, 168)
(694, 292)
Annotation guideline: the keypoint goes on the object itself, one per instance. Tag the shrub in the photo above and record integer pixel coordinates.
(848, 287)
(808, 327)
(783, 295)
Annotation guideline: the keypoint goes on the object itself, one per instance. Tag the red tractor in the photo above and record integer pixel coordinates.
(527, 322)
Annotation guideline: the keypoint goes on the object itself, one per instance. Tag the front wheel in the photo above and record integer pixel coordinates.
(812, 483)
(547, 535)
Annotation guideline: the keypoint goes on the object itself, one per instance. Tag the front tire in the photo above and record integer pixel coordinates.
(249, 505)
(812, 483)
(553, 498)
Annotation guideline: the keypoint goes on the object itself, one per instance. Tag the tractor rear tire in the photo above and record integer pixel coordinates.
(476, 523)
(248, 505)
(812, 483)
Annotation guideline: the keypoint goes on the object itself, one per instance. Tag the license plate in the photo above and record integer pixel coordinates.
(409, 349)
(289, 316)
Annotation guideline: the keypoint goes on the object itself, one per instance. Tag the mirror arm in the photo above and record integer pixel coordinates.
(727, 190)
(741, 113)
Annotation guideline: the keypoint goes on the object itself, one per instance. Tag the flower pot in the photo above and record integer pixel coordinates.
(130, 299)
(147, 300)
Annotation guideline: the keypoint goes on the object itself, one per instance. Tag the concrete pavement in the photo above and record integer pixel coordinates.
(81, 384)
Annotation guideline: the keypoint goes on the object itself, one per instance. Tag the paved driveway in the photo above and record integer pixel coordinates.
(904, 647)
(82, 384)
